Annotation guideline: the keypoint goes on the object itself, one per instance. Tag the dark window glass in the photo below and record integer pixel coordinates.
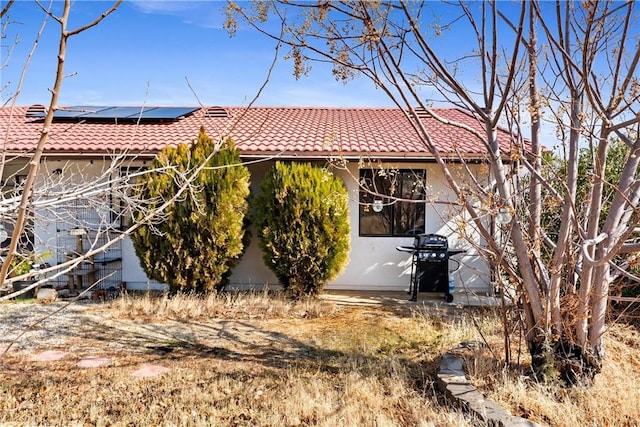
(385, 206)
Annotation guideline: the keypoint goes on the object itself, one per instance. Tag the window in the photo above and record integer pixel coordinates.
(385, 209)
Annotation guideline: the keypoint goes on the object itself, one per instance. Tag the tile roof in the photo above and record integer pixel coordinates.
(291, 131)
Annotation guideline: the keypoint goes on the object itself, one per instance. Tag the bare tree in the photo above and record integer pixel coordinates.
(528, 66)
(34, 162)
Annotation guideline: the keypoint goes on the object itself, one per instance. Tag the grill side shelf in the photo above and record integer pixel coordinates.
(409, 249)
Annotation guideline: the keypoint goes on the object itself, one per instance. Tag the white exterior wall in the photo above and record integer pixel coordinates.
(251, 271)
(374, 263)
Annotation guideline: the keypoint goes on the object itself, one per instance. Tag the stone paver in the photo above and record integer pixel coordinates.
(453, 382)
(6, 349)
(49, 356)
(93, 362)
(149, 371)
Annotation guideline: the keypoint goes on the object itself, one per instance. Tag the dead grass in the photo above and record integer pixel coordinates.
(230, 305)
(257, 359)
(610, 401)
(235, 361)
(210, 392)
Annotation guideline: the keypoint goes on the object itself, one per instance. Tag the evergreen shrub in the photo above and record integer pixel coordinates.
(201, 236)
(303, 227)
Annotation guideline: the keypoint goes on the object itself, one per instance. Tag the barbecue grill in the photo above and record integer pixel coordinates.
(430, 265)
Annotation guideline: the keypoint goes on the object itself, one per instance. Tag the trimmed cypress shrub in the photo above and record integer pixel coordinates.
(200, 236)
(303, 226)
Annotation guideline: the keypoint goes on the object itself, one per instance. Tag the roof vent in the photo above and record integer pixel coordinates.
(422, 113)
(36, 110)
(216, 112)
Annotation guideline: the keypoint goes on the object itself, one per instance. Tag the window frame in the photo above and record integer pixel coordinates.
(384, 181)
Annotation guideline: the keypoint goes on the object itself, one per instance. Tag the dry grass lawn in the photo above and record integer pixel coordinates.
(259, 360)
(612, 400)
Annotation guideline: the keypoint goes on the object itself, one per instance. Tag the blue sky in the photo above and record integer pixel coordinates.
(145, 52)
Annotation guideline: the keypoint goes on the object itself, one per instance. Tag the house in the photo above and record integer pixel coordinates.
(374, 146)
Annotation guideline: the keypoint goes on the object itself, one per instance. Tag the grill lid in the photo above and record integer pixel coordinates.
(430, 241)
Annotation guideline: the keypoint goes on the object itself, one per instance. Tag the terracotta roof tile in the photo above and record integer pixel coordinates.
(261, 131)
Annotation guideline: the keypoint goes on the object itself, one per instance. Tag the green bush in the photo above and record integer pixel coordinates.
(303, 225)
(200, 236)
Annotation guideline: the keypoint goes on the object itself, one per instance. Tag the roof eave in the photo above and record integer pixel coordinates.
(289, 155)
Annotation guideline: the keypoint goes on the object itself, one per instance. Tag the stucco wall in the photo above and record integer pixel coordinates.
(374, 262)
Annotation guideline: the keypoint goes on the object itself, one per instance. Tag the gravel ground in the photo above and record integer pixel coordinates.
(86, 328)
(52, 325)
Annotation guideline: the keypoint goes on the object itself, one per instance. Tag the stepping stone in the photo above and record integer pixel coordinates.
(149, 371)
(5, 349)
(49, 356)
(93, 362)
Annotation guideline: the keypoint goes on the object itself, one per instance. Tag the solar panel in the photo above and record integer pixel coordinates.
(102, 113)
(116, 113)
(167, 112)
(77, 111)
